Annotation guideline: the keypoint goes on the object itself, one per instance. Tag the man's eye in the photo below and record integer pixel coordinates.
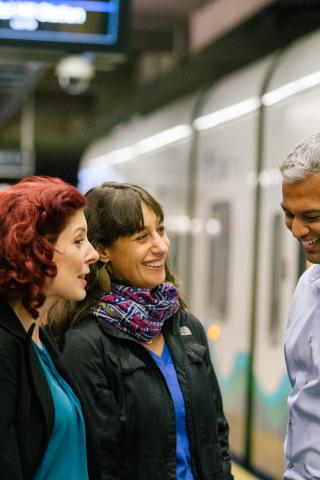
(288, 215)
(312, 219)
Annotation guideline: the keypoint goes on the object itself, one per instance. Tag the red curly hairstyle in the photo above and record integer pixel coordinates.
(33, 212)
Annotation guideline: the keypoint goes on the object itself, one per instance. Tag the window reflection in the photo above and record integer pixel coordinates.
(218, 231)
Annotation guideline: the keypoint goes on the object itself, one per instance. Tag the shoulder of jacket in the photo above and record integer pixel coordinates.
(87, 325)
(86, 332)
(187, 318)
(189, 324)
(12, 352)
(8, 340)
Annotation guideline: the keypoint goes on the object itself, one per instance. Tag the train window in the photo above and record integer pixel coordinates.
(174, 251)
(180, 259)
(218, 231)
(186, 266)
(275, 277)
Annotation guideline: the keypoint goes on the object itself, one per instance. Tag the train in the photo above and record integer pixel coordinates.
(211, 159)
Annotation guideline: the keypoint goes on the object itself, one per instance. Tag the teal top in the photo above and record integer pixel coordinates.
(65, 457)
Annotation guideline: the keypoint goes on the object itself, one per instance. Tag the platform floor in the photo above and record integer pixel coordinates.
(240, 474)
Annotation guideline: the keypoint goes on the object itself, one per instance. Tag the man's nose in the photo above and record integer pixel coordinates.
(299, 228)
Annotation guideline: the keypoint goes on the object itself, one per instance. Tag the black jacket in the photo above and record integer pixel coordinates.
(26, 404)
(132, 405)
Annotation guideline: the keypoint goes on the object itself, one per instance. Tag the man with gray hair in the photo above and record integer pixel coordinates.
(301, 206)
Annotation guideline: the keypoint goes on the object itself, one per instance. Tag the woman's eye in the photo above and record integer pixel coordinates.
(161, 229)
(142, 237)
(78, 241)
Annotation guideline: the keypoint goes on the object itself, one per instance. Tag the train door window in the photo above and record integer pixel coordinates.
(174, 251)
(276, 277)
(218, 231)
(177, 259)
(186, 266)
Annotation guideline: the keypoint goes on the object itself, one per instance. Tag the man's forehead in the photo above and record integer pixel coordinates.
(305, 211)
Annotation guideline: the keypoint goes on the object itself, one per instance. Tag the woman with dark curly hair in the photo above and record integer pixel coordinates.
(140, 357)
(44, 256)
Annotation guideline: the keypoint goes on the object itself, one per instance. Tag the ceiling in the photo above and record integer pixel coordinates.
(157, 68)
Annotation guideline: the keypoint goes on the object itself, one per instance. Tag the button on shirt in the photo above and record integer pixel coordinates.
(302, 353)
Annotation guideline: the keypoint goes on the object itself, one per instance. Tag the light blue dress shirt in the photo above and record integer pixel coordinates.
(168, 370)
(302, 353)
(65, 457)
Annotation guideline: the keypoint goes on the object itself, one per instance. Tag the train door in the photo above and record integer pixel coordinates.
(289, 116)
(223, 252)
(278, 258)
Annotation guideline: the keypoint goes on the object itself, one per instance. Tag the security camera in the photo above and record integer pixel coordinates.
(74, 74)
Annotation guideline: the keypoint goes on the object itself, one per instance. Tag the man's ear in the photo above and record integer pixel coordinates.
(103, 254)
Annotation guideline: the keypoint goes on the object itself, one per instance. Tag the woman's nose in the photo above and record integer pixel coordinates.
(161, 243)
(92, 255)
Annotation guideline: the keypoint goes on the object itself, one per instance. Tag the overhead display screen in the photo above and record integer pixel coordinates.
(73, 24)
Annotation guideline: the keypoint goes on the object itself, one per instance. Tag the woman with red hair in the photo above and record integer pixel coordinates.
(44, 256)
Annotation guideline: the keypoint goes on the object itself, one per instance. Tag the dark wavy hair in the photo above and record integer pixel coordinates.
(33, 212)
(113, 210)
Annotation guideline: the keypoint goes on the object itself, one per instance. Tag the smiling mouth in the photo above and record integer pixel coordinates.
(310, 243)
(154, 265)
(83, 277)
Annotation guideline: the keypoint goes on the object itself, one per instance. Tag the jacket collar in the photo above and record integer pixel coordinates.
(114, 332)
(9, 320)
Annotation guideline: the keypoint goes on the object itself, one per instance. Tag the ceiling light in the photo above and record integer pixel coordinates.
(226, 114)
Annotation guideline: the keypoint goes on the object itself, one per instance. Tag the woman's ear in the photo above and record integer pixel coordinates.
(103, 254)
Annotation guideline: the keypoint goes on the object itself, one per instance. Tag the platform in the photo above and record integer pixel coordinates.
(240, 473)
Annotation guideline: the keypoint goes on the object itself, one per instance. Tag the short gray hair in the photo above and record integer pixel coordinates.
(303, 161)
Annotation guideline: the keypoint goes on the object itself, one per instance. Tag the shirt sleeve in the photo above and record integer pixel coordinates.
(84, 357)
(10, 462)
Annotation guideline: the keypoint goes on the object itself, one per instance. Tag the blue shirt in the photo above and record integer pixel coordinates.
(167, 368)
(65, 457)
(302, 351)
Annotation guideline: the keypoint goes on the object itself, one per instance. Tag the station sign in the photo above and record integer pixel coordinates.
(75, 25)
(16, 164)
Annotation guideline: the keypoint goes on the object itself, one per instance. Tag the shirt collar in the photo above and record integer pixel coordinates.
(315, 274)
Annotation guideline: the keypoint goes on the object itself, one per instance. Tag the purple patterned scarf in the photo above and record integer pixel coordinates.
(140, 312)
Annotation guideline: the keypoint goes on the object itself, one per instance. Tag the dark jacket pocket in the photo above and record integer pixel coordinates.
(127, 364)
(211, 462)
(195, 352)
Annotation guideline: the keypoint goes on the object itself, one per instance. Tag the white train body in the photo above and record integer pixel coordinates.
(212, 160)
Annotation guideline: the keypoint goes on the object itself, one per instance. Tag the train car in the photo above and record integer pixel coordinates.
(212, 161)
